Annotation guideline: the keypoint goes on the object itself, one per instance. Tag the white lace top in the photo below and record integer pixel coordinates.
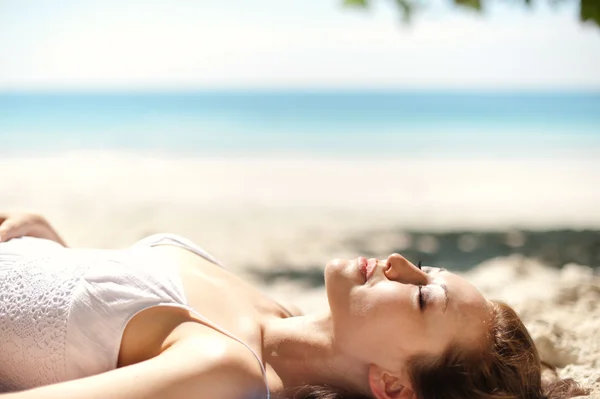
(63, 311)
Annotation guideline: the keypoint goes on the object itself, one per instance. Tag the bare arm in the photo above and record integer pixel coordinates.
(193, 371)
(15, 225)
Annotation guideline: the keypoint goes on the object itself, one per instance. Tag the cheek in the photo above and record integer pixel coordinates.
(382, 311)
(394, 316)
(388, 298)
(385, 324)
(381, 323)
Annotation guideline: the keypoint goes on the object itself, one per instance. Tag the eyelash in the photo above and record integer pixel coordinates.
(422, 302)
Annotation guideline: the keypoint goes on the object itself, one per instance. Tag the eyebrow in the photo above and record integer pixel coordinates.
(445, 288)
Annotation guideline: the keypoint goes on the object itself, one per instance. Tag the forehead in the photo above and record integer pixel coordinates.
(468, 312)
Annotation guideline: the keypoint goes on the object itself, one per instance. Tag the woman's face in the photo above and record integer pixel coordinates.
(380, 317)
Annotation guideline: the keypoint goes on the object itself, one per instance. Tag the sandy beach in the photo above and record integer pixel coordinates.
(277, 220)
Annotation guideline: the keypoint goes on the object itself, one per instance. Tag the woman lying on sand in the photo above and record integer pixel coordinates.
(163, 319)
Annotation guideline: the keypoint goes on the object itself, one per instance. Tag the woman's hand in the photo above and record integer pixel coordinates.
(15, 225)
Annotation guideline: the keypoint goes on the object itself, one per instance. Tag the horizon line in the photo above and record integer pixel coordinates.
(594, 90)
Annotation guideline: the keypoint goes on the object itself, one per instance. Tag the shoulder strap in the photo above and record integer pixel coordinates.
(178, 241)
(173, 239)
(223, 331)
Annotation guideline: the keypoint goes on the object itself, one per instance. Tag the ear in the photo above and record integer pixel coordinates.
(387, 385)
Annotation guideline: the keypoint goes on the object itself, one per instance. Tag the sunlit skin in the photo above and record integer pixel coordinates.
(362, 342)
(380, 320)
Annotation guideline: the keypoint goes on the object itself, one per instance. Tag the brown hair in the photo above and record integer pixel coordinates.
(510, 369)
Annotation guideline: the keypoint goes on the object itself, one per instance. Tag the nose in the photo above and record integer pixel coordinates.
(402, 270)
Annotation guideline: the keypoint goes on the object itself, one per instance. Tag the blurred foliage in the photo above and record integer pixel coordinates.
(589, 10)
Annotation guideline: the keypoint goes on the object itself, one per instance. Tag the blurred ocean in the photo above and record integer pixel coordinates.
(320, 123)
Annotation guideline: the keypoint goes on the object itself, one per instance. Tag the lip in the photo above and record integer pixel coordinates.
(362, 266)
(371, 265)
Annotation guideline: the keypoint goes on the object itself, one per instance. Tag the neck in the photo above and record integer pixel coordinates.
(302, 351)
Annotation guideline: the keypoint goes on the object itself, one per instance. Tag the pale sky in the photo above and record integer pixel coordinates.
(278, 44)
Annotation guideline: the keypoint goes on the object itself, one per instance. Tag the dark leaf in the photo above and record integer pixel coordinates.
(472, 4)
(406, 8)
(590, 11)
(356, 3)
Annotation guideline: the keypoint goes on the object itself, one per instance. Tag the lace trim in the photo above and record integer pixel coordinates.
(35, 298)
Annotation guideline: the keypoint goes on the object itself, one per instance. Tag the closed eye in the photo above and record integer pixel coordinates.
(422, 301)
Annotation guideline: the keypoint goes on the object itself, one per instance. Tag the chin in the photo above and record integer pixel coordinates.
(341, 278)
(335, 269)
(334, 272)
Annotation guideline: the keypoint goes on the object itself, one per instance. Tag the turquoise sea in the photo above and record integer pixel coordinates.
(225, 123)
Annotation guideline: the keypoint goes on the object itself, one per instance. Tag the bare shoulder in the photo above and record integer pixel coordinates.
(222, 366)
